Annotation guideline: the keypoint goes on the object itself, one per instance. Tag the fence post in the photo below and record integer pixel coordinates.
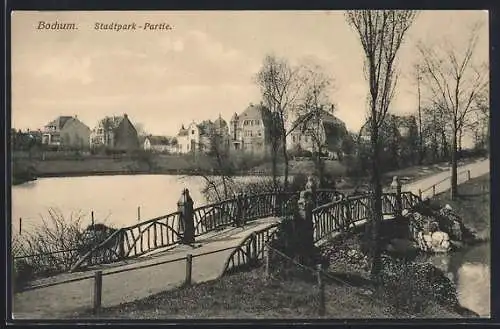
(92, 217)
(321, 290)
(254, 248)
(20, 225)
(434, 190)
(420, 193)
(97, 291)
(189, 269)
(185, 207)
(138, 213)
(468, 174)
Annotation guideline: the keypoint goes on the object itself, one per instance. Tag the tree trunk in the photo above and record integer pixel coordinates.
(376, 210)
(460, 136)
(420, 137)
(285, 159)
(454, 183)
(274, 169)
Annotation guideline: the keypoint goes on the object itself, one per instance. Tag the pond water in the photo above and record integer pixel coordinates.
(470, 270)
(113, 199)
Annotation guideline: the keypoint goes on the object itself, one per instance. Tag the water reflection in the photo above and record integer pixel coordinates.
(469, 269)
(113, 199)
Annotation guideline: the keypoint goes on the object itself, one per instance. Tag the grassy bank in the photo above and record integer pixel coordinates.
(144, 163)
(248, 295)
(472, 204)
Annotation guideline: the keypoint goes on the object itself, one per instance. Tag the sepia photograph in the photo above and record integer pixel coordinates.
(242, 165)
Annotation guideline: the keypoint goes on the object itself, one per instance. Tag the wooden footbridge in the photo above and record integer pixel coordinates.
(331, 212)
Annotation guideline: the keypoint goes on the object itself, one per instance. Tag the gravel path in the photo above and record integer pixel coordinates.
(477, 168)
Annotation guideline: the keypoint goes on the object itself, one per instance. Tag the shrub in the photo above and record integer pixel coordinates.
(413, 287)
(51, 248)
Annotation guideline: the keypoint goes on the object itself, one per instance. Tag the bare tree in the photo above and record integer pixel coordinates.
(280, 84)
(454, 82)
(417, 72)
(381, 33)
(315, 98)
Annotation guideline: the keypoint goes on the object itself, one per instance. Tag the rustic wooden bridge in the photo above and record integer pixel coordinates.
(333, 212)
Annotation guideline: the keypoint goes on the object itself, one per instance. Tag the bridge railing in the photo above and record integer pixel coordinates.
(251, 250)
(135, 240)
(336, 216)
(166, 231)
(339, 216)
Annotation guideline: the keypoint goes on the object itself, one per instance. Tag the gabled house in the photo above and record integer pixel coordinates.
(116, 133)
(188, 138)
(66, 131)
(315, 130)
(250, 131)
(199, 137)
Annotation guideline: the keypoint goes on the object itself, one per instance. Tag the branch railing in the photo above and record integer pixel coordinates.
(250, 251)
(340, 216)
(165, 231)
(336, 216)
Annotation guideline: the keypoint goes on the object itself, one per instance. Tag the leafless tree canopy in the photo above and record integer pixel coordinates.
(454, 82)
(381, 33)
(280, 84)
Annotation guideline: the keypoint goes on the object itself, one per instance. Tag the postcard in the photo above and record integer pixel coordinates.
(299, 164)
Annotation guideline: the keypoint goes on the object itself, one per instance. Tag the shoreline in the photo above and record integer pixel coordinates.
(185, 172)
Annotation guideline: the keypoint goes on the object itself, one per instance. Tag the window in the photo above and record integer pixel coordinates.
(293, 139)
(251, 135)
(187, 147)
(259, 133)
(257, 122)
(305, 139)
(192, 132)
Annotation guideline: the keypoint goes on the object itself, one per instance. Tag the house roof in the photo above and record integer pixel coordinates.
(111, 122)
(182, 132)
(220, 123)
(158, 140)
(327, 119)
(334, 128)
(59, 122)
(252, 112)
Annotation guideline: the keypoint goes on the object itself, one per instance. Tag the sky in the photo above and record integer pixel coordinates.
(203, 67)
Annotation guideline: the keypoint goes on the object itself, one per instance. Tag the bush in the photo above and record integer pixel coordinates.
(413, 287)
(37, 253)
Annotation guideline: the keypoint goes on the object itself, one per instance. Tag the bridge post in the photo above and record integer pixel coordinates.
(185, 206)
(238, 220)
(121, 245)
(311, 187)
(276, 204)
(305, 228)
(396, 186)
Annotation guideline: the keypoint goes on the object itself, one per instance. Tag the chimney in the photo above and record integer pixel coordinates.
(125, 115)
